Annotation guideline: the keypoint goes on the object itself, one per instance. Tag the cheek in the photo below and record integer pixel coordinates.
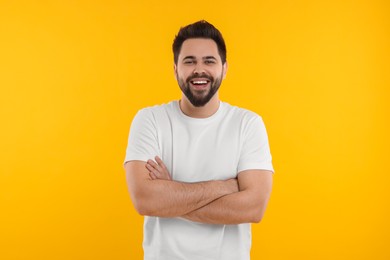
(183, 75)
(179, 72)
(219, 74)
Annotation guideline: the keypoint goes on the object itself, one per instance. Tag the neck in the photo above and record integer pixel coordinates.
(199, 112)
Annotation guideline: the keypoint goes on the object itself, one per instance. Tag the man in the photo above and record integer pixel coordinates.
(198, 169)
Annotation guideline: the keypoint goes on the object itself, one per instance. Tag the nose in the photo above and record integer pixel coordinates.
(199, 69)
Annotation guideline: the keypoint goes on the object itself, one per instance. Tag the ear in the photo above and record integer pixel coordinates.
(224, 68)
(175, 70)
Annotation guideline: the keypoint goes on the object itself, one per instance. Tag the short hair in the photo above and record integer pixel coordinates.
(200, 29)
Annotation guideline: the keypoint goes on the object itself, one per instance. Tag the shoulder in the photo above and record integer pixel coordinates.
(246, 120)
(241, 114)
(156, 110)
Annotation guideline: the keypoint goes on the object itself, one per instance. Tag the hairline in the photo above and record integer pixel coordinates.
(200, 37)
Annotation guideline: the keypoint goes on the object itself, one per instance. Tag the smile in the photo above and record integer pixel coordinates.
(199, 82)
(199, 85)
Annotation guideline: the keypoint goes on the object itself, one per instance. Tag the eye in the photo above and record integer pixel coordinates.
(188, 61)
(209, 61)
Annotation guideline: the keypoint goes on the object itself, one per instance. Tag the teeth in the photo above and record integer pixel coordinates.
(200, 82)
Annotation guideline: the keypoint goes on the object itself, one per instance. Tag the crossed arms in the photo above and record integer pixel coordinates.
(232, 201)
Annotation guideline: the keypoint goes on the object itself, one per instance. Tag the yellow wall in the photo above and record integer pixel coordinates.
(74, 73)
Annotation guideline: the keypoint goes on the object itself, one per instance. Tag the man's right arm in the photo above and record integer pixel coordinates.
(165, 198)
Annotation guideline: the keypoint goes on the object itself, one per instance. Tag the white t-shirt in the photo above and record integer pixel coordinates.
(214, 148)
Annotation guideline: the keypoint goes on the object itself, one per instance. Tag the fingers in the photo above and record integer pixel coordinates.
(163, 167)
(160, 162)
(153, 176)
(157, 170)
(153, 172)
(154, 165)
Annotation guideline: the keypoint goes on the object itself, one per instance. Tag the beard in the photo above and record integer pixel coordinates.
(201, 97)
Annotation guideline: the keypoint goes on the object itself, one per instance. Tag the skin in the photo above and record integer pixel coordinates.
(204, 59)
(167, 198)
(232, 201)
(247, 205)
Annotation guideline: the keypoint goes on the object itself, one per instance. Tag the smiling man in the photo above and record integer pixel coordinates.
(198, 169)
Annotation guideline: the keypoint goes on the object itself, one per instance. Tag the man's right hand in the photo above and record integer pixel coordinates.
(158, 170)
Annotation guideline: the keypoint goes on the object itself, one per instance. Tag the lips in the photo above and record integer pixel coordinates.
(199, 82)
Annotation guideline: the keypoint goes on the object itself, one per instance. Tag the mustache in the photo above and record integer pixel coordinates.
(201, 75)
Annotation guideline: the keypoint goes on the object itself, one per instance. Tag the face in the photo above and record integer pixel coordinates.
(199, 70)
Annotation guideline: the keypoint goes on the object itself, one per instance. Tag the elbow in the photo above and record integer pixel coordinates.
(145, 202)
(144, 208)
(140, 203)
(140, 208)
(257, 216)
(257, 212)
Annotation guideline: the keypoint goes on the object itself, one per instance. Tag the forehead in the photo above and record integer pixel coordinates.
(199, 48)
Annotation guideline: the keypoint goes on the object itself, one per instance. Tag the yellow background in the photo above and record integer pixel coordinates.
(74, 73)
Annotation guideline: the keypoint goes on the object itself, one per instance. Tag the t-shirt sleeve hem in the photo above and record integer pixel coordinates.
(136, 157)
(256, 166)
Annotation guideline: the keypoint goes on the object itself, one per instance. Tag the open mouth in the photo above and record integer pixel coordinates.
(200, 83)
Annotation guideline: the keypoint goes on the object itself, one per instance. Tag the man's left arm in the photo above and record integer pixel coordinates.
(246, 206)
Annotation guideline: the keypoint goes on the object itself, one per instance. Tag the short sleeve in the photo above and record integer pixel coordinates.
(143, 140)
(255, 152)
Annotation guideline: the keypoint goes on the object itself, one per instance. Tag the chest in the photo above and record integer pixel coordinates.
(200, 152)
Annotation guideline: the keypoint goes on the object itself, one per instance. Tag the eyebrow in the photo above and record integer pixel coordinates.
(209, 58)
(204, 58)
(189, 57)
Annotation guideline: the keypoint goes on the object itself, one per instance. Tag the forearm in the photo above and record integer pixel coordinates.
(235, 208)
(166, 198)
(246, 206)
(233, 201)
